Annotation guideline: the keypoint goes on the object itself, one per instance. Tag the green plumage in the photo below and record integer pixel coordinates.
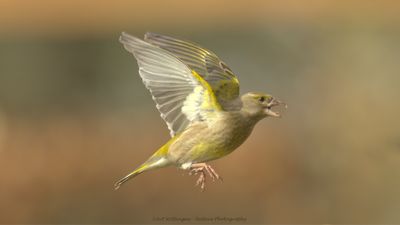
(207, 118)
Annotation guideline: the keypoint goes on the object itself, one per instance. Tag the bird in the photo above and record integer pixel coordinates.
(198, 97)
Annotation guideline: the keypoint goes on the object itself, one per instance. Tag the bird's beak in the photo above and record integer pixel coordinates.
(272, 103)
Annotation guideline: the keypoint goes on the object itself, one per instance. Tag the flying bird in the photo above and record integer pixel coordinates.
(198, 97)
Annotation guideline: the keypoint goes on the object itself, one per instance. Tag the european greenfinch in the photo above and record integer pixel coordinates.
(198, 97)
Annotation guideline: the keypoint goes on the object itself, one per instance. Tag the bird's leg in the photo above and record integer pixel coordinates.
(202, 168)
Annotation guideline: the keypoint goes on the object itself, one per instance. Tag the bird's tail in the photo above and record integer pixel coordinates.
(136, 172)
(157, 160)
(154, 162)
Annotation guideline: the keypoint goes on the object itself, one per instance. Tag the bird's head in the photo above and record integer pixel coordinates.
(259, 105)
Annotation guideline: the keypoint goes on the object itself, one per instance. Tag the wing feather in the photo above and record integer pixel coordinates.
(220, 77)
(181, 96)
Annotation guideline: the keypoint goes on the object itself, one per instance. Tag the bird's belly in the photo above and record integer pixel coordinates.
(214, 143)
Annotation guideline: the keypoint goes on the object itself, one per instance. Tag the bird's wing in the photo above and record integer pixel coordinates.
(220, 77)
(182, 96)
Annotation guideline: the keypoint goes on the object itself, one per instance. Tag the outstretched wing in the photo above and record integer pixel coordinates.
(220, 77)
(181, 95)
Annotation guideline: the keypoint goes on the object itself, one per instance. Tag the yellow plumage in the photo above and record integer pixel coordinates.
(198, 97)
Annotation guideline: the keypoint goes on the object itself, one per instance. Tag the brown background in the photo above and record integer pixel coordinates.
(75, 117)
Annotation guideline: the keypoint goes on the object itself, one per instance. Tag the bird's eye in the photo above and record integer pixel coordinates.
(261, 99)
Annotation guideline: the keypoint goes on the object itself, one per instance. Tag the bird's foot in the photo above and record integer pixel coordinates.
(202, 168)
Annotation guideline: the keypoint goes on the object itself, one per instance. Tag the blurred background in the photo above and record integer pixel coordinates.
(75, 117)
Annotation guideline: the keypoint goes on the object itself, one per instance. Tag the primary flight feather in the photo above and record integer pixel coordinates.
(198, 97)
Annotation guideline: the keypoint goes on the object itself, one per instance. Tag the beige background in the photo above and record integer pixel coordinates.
(75, 117)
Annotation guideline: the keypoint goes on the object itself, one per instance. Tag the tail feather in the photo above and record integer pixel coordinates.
(153, 163)
(136, 172)
(157, 160)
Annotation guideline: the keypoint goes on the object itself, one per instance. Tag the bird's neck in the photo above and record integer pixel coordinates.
(249, 117)
(239, 119)
(236, 109)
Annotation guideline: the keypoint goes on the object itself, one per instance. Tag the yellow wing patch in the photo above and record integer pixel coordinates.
(210, 99)
(201, 103)
(214, 71)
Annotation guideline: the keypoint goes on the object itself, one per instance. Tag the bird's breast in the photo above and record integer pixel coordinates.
(205, 142)
(222, 137)
(232, 131)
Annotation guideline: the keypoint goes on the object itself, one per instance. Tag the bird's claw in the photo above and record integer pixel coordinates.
(202, 168)
(201, 181)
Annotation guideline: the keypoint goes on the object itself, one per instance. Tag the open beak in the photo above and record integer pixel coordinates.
(274, 102)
